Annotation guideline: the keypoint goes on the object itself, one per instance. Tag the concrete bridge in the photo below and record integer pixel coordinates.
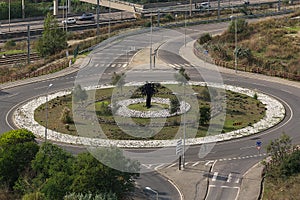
(116, 4)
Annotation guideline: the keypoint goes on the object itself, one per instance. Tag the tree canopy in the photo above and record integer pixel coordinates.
(53, 39)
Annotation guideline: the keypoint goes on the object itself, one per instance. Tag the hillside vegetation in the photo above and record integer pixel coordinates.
(271, 45)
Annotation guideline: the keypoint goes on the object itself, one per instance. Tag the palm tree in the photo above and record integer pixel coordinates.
(149, 89)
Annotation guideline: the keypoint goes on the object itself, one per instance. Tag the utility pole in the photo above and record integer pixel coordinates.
(151, 42)
(190, 8)
(23, 9)
(8, 15)
(28, 44)
(97, 11)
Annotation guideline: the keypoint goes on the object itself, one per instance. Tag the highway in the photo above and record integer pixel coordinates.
(231, 159)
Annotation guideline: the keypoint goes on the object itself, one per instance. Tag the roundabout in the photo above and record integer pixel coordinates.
(275, 112)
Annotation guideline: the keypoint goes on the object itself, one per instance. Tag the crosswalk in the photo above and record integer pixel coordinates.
(215, 176)
(228, 178)
(113, 65)
(179, 65)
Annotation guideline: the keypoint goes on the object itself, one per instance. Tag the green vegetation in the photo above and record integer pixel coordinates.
(48, 172)
(269, 47)
(241, 111)
(282, 172)
(53, 40)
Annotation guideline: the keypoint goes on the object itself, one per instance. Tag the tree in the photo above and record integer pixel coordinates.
(174, 105)
(53, 40)
(204, 115)
(66, 116)
(17, 150)
(53, 168)
(149, 89)
(279, 148)
(242, 26)
(95, 177)
(205, 94)
(79, 94)
(118, 80)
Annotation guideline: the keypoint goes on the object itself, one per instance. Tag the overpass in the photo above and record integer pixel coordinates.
(116, 4)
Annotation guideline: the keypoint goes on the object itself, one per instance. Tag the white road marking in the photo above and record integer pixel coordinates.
(196, 163)
(215, 176)
(229, 178)
(171, 165)
(207, 163)
(249, 147)
(159, 166)
(237, 180)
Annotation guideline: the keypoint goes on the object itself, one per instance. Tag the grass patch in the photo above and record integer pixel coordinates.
(241, 111)
(282, 189)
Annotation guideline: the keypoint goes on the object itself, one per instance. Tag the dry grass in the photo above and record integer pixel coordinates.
(240, 109)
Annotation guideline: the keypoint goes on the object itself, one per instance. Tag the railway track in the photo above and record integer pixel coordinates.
(17, 58)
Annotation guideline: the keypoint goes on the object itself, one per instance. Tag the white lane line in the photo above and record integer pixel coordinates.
(249, 147)
(171, 165)
(175, 186)
(196, 163)
(215, 176)
(159, 166)
(229, 178)
(286, 91)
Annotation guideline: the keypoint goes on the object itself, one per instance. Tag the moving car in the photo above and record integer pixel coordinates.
(70, 20)
(86, 16)
(203, 6)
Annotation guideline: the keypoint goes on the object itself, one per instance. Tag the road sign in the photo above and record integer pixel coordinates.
(179, 147)
(258, 145)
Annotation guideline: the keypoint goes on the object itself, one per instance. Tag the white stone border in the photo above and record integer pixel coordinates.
(24, 118)
(126, 112)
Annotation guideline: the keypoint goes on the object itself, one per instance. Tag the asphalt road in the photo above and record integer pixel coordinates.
(232, 158)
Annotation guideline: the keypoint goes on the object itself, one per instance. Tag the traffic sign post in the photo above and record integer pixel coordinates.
(258, 146)
(179, 152)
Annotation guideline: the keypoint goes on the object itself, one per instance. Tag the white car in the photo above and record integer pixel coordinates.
(70, 20)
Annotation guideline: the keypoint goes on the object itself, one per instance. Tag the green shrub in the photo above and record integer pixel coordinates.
(204, 38)
(10, 44)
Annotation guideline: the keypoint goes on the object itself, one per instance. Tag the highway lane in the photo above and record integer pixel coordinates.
(225, 150)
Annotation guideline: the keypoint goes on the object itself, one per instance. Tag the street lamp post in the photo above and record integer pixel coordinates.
(97, 12)
(46, 127)
(151, 42)
(150, 189)
(9, 16)
(235, 39)
(184, 129)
